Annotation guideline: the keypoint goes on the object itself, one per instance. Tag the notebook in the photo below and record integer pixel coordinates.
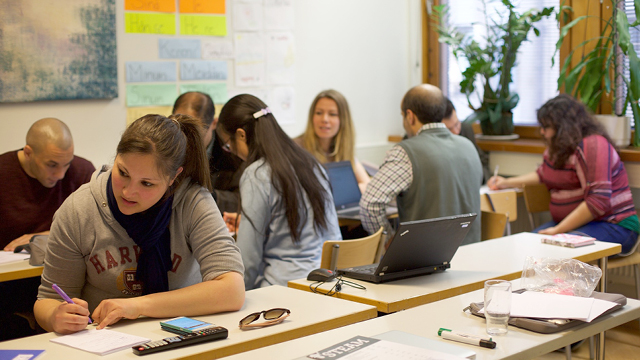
(418, 248)
(345, 190)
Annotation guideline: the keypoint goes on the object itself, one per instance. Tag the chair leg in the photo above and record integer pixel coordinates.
(636, 269)
(531, 222)
(591, 348)
(567, 352)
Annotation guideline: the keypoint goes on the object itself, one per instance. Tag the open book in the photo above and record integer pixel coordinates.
(568, 240)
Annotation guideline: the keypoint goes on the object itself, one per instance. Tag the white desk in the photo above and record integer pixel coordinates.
(18, 270)
(425, 321)
(471, 266)
(310, 314)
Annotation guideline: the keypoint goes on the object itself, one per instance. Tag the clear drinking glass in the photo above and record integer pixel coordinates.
(497, 305)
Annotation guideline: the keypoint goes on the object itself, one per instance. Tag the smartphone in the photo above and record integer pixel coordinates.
(184, 325)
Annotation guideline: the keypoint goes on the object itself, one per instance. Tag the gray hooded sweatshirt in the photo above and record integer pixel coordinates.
(90, 256)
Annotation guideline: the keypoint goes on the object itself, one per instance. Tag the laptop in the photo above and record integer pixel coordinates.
(418, 248)
(345, 190)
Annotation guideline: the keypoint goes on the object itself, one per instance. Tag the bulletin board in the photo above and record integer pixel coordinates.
(222, 48)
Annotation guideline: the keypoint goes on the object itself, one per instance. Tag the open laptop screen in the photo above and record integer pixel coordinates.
(344, 185)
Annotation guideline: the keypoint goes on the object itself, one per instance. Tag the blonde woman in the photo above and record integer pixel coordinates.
(330, 135)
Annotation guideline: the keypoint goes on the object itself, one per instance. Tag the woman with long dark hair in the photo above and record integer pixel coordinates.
(142, 236)
(584, 174)
(287, 207)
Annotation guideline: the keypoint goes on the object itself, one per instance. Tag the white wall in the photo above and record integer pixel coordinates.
(367, 49)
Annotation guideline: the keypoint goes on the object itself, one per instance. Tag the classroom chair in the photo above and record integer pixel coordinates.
(536, 199)
(351, 253)
(504, 202)
(493, 225)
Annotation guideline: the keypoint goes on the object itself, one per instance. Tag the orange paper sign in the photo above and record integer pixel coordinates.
(202, 6)
(150, 5)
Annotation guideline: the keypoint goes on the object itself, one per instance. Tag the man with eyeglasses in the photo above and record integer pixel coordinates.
(431, 174)
(465, 129)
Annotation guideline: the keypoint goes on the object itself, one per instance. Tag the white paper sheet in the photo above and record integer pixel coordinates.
(100, 342)
(247, 17)
(278, 14)
(280, 58)
(281, 102)
(553, 306)
(9, 256)
(250, 59)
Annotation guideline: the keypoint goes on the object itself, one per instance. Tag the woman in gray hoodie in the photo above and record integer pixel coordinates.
(142, 237)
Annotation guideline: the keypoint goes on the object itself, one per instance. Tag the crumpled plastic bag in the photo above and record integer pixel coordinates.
(560, 276)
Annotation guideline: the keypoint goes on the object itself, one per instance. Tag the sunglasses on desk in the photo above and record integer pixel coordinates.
(273, 316)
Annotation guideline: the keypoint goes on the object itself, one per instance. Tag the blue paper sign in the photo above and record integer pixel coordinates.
(179, 49)
(150, 71)
(203, 70)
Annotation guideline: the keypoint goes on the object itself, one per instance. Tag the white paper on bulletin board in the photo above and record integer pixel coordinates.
(280, 58)
(278, 15)
(217, 48)
(281, 103)
(250, 59)
(248, 17)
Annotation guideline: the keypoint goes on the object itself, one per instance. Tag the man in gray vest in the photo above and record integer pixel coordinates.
(431, 174)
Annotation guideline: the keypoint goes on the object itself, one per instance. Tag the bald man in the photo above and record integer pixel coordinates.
(36, 179)
(225, 168)
(431, 174)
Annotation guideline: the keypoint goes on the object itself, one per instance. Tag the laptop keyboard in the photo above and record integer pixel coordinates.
(365, 269)
(350, 212)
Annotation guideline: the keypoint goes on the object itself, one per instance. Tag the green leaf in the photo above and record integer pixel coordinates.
(624, 39)
(634, 75)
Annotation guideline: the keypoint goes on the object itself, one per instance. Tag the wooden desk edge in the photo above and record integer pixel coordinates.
(282, 337)
(21, 274)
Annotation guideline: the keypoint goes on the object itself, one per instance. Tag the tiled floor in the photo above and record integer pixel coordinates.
(622, 343)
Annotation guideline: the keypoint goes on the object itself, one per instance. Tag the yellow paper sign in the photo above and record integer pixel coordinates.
(150, 5)
(202, 6)
(150, 23)
(210, 25)
(134, 113)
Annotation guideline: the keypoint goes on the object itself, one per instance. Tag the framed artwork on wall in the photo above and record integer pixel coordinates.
(57, 50)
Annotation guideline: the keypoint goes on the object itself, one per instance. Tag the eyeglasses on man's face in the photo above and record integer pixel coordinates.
(272, 317)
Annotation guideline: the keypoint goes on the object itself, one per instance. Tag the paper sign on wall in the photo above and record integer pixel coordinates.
(249, 64)
(247, 17)
(217, 91)
(211, 25)
(202, 6)
(134, 113)
(151, 94)
(150, 5)
(278, 15)
(217, 48)
(281, 103)
(150, 23)
(150, 71)
(280, 58)
(179, 48)
(203, 70)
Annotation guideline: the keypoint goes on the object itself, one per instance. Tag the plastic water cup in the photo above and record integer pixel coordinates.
(497, 306)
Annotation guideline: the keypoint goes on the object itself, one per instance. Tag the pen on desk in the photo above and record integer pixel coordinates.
(65, 297)
(466, 338)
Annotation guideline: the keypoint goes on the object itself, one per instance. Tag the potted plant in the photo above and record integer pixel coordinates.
(601, 70)
(491, 63)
